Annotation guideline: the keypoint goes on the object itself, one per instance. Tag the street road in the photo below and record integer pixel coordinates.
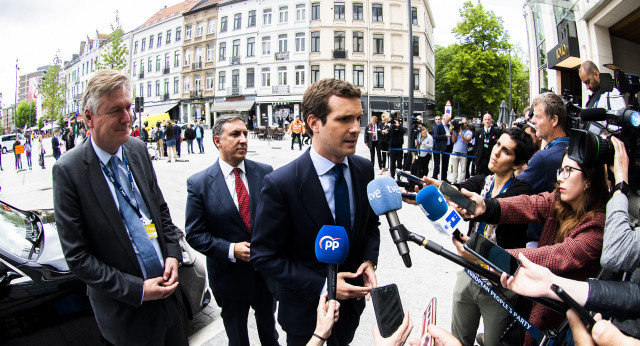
(430, 276)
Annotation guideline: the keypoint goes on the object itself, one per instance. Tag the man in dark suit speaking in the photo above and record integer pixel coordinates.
(327, 185)
(220, 215)
(114, 225)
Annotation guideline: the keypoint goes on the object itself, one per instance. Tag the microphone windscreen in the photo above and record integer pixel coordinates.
(593, 114)
(432, 202)
(332, 244)
(384, 195)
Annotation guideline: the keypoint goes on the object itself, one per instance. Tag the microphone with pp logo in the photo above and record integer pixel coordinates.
(385, 198)
(332, 247)
(443, 217)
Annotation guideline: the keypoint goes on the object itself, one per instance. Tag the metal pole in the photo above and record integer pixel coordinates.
(15, 103)
(410, 108)
(510, 88)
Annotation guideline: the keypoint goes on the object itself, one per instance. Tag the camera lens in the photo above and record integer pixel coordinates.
(589, 149)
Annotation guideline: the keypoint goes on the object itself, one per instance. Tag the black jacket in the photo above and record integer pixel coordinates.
(189, 134)
(618, 299)
(396, 136)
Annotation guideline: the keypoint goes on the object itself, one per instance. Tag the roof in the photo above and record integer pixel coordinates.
(172, 11)
(203, 5)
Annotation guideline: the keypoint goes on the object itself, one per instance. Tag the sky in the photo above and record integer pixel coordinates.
(34, 30)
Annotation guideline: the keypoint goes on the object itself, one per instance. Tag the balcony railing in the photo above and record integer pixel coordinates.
(165, 97)
(196, 65)
(234, 60)
(195, 94)
(233, 91)
(282, 56)
(166, 70)
(141, 75)
(339, 54)
(279, 89)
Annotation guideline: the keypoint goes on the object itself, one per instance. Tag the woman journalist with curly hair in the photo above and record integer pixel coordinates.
(573, 216)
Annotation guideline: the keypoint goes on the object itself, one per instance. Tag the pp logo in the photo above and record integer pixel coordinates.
(329, 243)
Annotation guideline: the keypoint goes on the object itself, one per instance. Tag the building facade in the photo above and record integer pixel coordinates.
(198, 66)
(564, 33)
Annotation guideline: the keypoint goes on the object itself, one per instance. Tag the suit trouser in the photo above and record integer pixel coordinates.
(482, 166)
(444, 165)
(396, 161)
(374, 147)
(235, 315)
(424, 165)
(436, 165)
(178, 146)
(458, 164)
(469, 303)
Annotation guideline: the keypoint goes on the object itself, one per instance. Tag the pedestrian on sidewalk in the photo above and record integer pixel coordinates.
(171, 141)
(296, 128)
(27, 151)
(40, 152)
(18, 153)
(189, 135)
(55, 144)
(199, 136)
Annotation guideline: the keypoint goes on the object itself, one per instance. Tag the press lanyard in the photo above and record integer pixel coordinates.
(483, 225)
(119, 187)
(564, 140)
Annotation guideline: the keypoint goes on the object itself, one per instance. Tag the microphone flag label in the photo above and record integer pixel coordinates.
(332, 244)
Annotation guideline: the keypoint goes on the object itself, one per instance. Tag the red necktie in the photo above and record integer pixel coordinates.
(243, 199)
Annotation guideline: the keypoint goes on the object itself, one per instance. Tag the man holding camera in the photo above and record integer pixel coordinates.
(590, 76)
(460, 137)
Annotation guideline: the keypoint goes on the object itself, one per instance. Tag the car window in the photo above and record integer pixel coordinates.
(16, 233)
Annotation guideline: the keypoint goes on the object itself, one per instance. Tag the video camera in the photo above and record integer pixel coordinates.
(457, 124)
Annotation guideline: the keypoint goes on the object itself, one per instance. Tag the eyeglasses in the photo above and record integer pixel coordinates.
(565, 172)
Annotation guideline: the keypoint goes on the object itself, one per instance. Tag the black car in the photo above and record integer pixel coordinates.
(42, 302)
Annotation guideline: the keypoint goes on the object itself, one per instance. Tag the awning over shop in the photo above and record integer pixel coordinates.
(49, 127)
(160, 109)
(234, 106)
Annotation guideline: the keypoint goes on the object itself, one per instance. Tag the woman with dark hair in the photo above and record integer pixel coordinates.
(573, 216)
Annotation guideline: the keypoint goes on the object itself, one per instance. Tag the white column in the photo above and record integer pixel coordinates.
(207, 111)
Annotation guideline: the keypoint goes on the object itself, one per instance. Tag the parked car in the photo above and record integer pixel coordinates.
(6, 141)
(42, 302)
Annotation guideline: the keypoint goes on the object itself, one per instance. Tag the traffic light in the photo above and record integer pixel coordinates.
(139, 104)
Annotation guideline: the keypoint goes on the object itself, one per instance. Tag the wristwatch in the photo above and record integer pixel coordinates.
(375, 266)
(623, 187)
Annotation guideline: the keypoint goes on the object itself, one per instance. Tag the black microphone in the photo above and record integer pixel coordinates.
(385, 198)
(593, 114)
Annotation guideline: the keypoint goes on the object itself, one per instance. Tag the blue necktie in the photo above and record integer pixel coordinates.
(152, 266)
(341, 199)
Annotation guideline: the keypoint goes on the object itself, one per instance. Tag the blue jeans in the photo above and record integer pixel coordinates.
(190, 146)
(200, 146)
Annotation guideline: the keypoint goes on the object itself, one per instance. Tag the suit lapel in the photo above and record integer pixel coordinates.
(311, 193)
(98, 183)
(219, 188)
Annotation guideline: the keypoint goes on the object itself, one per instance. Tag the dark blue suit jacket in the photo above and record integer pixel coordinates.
(291, 211)
(213, 222)
(439, 137)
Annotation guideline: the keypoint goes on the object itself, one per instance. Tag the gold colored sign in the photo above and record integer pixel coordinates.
(562, 51)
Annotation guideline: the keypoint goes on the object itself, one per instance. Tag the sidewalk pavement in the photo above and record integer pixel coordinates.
(430, 276)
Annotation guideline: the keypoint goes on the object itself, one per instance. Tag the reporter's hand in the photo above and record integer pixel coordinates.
(430, 181)
(481, 207)
(603, 333)
(327, 315)
(396, 339)
(531, 280)
(462, 252)
(620, 166)
(368, 276)
(347, 291)
(441, 336)
(242, 251)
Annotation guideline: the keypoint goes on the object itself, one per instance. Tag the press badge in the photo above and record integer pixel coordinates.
(151, 229)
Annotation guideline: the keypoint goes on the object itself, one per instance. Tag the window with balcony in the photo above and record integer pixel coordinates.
(199, 29)
(187, 57)
(284, 14)
(300, 42)
(149, 89)
(141, 89)
(157, 88)
(315, 11)
(159, 39)
(144, 45)
(358, 75)
(198, 59)
(185, 85)
(235, 78)
(178, 31)
(378, 77)
(142, 68)
(282, 43)
(358, 11)
(251, 22)
(315, 41)
(338, 10)
(176, 59)
(166, 87)
(149, 65)
(251, 76)
(222, 51)
(223, 24)
(211, 26)
(414, 16)
(187, 32)
(376, 12)
(338, 41)
(266, 16)
(209, 81)
(237, 21)
(300, 75)
(209, 52)
(416, 79)
(157, 63)
(358, 41)
(416, 46)
(338, 72)
(266, 77)
(222, 80)
(266, 45)
(167, 59)
(378, 44)
(301, 12)
(151, 41)
(196, 84)
(251, 46)
(282, 75)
